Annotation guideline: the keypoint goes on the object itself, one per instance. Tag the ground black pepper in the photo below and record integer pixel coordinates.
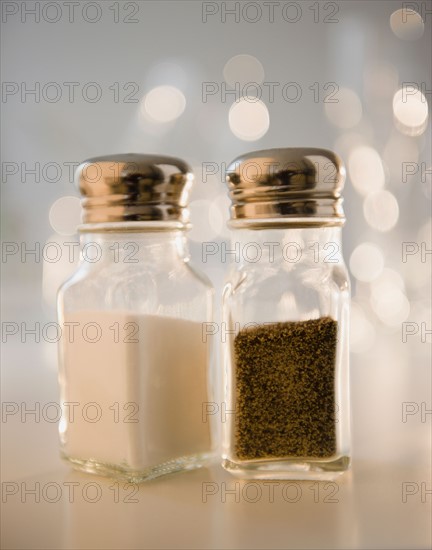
(285, 385)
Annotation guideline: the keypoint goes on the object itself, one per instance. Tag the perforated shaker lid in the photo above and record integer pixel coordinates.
(134, 188)
(295, 186)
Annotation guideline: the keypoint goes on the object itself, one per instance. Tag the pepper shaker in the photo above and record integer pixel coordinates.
(286, 309)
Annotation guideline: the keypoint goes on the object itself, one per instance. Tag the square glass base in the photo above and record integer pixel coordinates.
(124, 473)
(308, 469)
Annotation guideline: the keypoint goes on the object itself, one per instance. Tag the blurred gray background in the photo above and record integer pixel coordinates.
(326, 74)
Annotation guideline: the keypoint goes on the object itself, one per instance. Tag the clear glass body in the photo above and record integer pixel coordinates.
(134, 370)
(286, 357)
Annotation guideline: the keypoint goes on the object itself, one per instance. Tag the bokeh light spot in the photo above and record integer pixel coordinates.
(65, 215)
(206, 221)
(407, 24)
(366, 170)
(381, 210)
(391, 306)
(410, 109)
(346, 111)
(366, 262)
(249, 119)
(164, 104)
(243, 69)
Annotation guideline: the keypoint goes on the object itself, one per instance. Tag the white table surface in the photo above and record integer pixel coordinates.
(366, 508)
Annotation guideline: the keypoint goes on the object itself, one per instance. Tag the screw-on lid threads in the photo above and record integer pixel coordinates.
(134, 188)
(297, 186)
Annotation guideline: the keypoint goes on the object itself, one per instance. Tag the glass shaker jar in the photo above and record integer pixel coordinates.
(286, 311)
(133, 363)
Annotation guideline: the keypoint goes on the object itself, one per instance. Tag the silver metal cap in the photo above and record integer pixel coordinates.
(134, 188)
(297, 186)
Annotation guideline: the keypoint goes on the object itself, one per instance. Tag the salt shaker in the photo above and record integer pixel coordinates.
(286, 311)
(134, 368)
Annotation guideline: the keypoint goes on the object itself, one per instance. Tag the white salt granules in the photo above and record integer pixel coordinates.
(134, 397)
